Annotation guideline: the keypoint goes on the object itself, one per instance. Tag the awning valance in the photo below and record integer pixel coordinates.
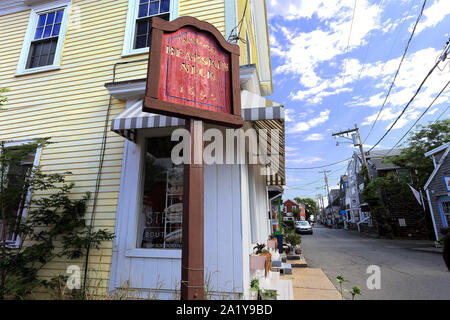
(133, 118)
(263, 114)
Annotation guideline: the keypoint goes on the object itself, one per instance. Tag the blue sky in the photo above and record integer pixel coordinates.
(327, 86)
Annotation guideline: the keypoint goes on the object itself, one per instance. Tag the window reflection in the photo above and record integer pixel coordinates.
(162, 205)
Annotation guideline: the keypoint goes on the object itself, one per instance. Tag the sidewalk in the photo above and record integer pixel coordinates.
(311, 284)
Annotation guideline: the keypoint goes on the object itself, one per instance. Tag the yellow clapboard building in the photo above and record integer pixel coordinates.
(72, 68)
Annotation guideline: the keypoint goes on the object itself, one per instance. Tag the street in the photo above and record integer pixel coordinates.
(405, 273)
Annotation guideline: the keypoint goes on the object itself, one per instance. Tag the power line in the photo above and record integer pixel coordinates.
(348, 44)
(418, 119)
(441, 114)
(368, 45)
(239, 25)
(388, 56)
(406, 107)
(319, 167)
(318, 180)
(398, 70)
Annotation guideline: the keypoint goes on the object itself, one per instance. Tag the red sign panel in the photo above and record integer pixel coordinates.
(195, 71)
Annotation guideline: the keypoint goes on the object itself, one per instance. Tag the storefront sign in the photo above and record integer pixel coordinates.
(193, 73)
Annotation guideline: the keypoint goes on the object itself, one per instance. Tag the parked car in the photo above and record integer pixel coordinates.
(303, 227)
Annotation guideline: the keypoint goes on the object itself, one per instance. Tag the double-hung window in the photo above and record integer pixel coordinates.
(16, 207)
(44, 38)
(43, 46)
(140, 13)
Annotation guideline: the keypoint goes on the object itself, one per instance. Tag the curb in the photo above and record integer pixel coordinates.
(429, 250)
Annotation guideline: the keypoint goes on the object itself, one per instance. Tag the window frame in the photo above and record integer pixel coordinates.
(37, 157)
(144, 143)
(445, 216)
(130, 201)
(31, 30)
(130, 28)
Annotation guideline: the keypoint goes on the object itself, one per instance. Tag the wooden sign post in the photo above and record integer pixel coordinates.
(193, 73)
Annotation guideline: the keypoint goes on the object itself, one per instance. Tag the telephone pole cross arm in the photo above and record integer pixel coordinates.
(356, 138)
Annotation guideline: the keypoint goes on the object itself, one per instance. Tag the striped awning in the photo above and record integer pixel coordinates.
(261, 112)
(132, 118)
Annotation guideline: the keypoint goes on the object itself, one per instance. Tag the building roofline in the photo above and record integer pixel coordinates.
(438, 149)
(435, 171)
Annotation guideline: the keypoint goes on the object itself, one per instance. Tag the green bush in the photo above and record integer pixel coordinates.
(289, 226)
(293, 239)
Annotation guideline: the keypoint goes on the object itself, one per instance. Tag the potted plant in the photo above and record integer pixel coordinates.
(261, 259)
(254, 288)
(268, 294)
(294, 240)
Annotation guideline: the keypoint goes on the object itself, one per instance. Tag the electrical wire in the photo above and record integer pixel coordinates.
(368, 45)
(446, 109)
(406, 107)
(239, 25)
(418, 119)
(398, 70)
(100, 168)
(388, 56)
(319, 167)
(331, 173)
(346, 50)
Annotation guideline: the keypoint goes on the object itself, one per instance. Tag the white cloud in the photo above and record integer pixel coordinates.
(414, 69)
(314, 137)
(433, 111)
(306, 51)
(305, 126)
(309, 160)
(432, 15)
(315, 95)
(291, 149)
(288, 114)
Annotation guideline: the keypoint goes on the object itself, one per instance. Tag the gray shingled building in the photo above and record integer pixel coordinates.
(437, 187)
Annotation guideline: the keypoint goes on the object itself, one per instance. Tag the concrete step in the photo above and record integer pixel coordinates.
(286, 268)
(276, 263)
(300, 263)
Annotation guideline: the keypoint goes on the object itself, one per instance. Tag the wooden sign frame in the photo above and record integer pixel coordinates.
(153, 104)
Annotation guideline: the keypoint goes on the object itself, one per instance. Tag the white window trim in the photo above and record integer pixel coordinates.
(130, 28)
(130, 202)
(37, 157)
(29, 35)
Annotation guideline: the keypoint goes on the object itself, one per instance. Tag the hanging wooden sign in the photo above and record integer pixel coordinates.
(193, 73)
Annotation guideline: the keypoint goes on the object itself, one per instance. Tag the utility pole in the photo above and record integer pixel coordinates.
(320, 206)
(356, 139)
(326, 183)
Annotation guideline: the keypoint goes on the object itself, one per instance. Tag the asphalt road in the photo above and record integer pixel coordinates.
(404, 273)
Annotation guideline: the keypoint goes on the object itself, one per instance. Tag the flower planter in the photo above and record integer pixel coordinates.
(268, 295)
(257, 262)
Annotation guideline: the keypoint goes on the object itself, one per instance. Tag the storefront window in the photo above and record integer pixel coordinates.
(446, 211)
(162, 204)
